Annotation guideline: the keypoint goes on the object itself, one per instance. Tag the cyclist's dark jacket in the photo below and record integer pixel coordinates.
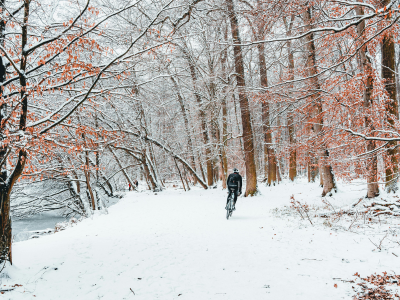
(235, 181)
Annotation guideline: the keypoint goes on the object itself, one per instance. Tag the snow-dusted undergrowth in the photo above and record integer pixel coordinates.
(177, 245)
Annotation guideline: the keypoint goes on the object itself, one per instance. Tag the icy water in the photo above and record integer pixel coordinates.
(25, 228)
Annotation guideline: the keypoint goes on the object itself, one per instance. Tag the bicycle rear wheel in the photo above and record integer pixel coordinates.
(229, 207)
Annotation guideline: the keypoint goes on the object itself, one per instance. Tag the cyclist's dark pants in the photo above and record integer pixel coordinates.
(235, 193)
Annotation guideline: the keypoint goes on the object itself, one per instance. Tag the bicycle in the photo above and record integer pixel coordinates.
(230, 206)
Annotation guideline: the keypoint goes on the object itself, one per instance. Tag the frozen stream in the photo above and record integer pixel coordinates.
(23, 229)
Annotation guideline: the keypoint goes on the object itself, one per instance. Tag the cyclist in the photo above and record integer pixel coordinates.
(234, 184)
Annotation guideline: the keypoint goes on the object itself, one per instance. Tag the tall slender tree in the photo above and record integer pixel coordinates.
(365, 67)
(316, 102)
(389, 76)
(248, 143)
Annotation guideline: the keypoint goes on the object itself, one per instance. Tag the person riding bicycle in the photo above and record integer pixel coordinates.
(234, 184)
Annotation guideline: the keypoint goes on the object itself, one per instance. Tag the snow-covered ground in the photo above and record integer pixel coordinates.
(177, 245)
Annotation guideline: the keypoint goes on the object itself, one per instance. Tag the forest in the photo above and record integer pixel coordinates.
(98, 94)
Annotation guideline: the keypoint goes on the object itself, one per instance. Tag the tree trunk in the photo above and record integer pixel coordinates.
(224, 136)
(153, 163)
(146, 176)
(389, 77)
(185, 177)
(7, 185)
(222, 171)
(128, 179)
(372, 161)
(224, 61)
(251, 175)
(292, 139)
(201, 167)
(3, 108)
(102, 176)
(321, 169)
(5, 219)
(187, 127)
(75, 194)
(278, 172)
(312, 166)
(97, 155)
(327, 176)
(170, 152)
(214, 109)
(215, 140)
(269, 151)
(180, 175)
(6, 227)
(202, 115)
(293, 154)
(87, 177)
(152, 172)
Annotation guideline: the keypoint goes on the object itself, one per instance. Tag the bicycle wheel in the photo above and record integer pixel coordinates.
(232, 204)
(229, 207)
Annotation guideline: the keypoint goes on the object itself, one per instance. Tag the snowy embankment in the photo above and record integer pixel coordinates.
(177, 245)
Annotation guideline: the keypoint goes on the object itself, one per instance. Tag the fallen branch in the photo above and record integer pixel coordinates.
(380, 243)
(300, 208)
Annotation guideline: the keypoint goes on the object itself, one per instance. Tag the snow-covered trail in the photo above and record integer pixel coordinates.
(178, 245)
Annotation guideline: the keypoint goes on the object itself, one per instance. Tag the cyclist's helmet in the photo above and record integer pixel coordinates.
(235, 170)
